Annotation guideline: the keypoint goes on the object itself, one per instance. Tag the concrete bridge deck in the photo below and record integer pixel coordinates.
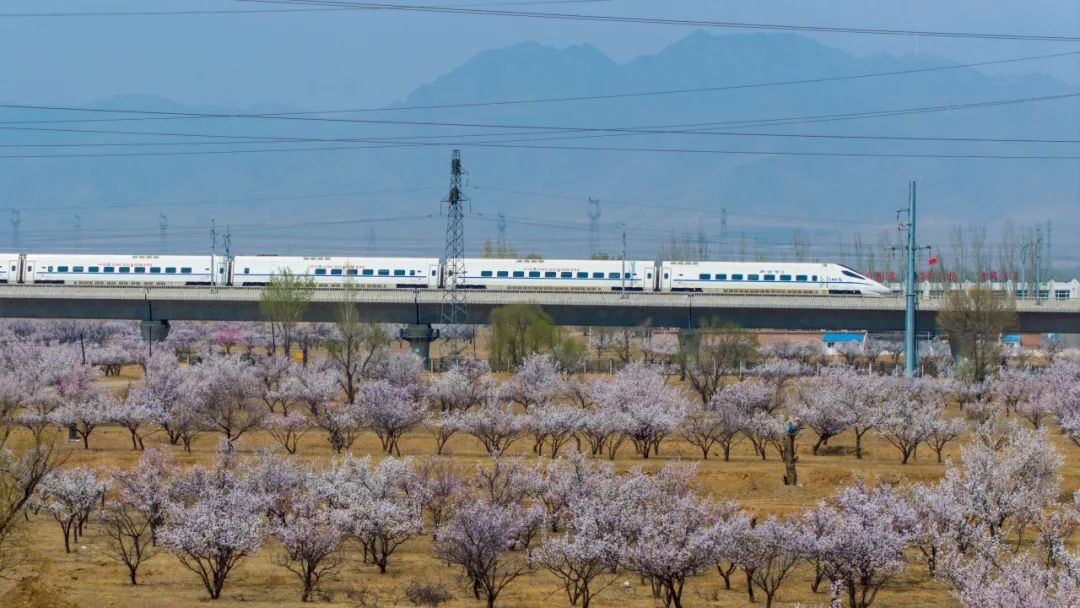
(566, 308)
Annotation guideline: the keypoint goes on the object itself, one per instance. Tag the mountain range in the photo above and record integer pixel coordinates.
(772, 158)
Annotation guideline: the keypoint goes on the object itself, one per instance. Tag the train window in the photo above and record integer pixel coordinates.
(815, 278)
(848, 273)
(613, 275)
(95, 268)
(801, 278)
(141, 270)
(110, 269)
(534, 274)
(502, 274)
(352, 272)
(335, 271)
(170, 270)
(367, 272)
(597, 275)
(629, 276)
(320, 271)
(485, 273)
(519, 273)
(124, 270)
(648, 276)
(155, 270)
(78, 269)
(770, 277)
(785, 277)
(582, 275)
(736, 277)
(185, 270)
(49, 269)
(412, 273)
(61, 269)
(550, 274)
(567, 275)
(383, 272)
(666, 275)
(753, 277)
(721, 277)
(399, 273)
(704, 276)
(432, 273)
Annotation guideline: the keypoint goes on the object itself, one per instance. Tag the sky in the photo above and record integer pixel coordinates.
(360, 58)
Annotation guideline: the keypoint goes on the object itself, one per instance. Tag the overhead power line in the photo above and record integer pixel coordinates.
(633, 20)
(596, 97)
(232, 201)
(195, 12)
(382, 121)
(592, 132)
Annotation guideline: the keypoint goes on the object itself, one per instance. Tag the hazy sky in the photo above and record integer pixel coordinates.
(345, 59)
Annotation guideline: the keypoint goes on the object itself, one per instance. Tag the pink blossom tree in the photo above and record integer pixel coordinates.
(464, 386)
(342, 422)
(581, 557)
(379, 507)
(771, 550)
(651, 408)
(819, 409)
(404, 371)
(536, 381)
(314, 386)
(225, 390)
(495, 425)
(310, 536)
(906, 417)
(85, 416)
(443, 489)
(864, 542)
(553, 425)
(944, 431)
(287, 429)
(1005, 480)
(479, 539)
(145, 487)
(273, 372)
(139, 414)
(390, 411)
(673, 540)
(214, 531)
(70, 496)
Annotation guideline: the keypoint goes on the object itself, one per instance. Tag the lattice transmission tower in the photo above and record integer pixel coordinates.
(455, 314)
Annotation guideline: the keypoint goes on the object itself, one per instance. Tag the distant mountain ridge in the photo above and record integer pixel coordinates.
(785, 179)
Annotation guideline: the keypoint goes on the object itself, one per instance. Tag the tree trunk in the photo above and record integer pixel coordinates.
(791, 477)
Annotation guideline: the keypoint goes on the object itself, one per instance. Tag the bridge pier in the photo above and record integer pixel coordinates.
(420, 336)
(154, 331)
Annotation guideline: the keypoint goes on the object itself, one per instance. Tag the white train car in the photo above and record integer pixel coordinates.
(767, 278)
(571, 275)
(381, 273)
(10, 268)
(119, 269)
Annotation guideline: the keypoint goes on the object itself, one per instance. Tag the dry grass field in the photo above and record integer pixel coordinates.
(49, 578)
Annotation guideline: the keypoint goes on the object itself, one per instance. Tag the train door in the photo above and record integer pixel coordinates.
(24, 271)
(433, 277)
(12, 271)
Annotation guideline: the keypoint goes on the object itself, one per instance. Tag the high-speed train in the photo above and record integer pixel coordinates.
(430, 273)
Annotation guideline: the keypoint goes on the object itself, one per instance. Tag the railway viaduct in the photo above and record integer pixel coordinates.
(419, 309)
